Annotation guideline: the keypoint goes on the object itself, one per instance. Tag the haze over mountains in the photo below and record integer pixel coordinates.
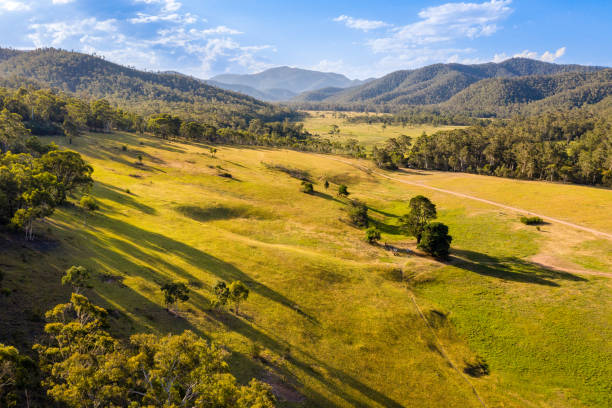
(282, 83)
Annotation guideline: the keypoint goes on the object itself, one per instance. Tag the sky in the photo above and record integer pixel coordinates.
(360, 39)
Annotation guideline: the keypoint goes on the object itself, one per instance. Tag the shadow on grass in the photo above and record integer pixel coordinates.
(119, 196)
(385, 228)
(326, 196)
(251, 332)
(509, 268)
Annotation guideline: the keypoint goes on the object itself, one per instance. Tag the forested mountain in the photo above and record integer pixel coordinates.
(539, 93)
(438, 83)
(146, 93)
(283, 83)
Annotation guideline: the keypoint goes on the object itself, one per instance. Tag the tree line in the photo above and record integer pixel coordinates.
(572, 146)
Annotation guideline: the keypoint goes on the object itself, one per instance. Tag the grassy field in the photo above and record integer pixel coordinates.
(320, 123)
(330, 321)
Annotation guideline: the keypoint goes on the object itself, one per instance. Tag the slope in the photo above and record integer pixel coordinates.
(329, 321)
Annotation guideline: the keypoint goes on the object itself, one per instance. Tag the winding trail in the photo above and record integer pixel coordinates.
(482, 200)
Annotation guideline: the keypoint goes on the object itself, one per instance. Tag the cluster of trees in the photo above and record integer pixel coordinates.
(80, 364)
(432, 237)
(569, 146)
(418, 116)
(37, 178)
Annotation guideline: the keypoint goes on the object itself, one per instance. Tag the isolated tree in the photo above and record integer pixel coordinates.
(334, 130)
(89, 206)
(139, 157)
(174, 292)
(238, 292)
(422, 210)
(222, 294)
(343, 191)
(372, 235)
(435, 240)
(326, 184)
(78, 277)
(307, 187)
(358, 213)
(213, 151)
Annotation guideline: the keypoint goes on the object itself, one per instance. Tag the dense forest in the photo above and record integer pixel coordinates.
(572, 146)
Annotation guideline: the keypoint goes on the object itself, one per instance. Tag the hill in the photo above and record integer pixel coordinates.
(435, 84)
(145, 92)
(283, 83)
(271, 95)
(331, 320)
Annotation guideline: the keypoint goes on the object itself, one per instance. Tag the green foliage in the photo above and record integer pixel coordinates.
(238, 293)
(222, 294)
(422, 210)
(78, 277)
(174, 292)
(85, 366)
(435, 240)
(532, 220)
(372, 235)
(307, 187)
(358, 213)
(17, 376)
(70, 170)
(343, 191)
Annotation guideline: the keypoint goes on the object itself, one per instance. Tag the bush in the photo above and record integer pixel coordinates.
(307, 187)
(343, 191)
(532, 220)
(358, 213)
(372, 235)
(435, 240)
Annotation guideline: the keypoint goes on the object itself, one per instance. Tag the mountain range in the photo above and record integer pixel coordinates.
(282, 83)
(479, 90)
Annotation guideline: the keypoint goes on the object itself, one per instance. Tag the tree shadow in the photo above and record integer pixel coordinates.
(385, 228)
(326, 196)
(247, 330)
(107, 191)
(509, 268)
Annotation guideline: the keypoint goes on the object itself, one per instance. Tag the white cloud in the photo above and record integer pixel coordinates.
(57, 32)
(547, 56)
(13, 5)
(168, 6)
(62, 1)
(360, 24)
(187, 18)
(445, 23)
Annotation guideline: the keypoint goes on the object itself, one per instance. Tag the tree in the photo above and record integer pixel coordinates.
(78, 277)
(372, 235)
(71, 171)
(12, 132)
(238, 292)
(102, 115)
(326, 184)
(89, 205)
(139, 157)
(435, 240)
(213, 151)
(343, 191)
(307, 187)
(37, 202)
(164, 125)
(173, 292)
(222, 294)
(422, 210)
(83, 365)
(17, 377)
(358, 213)
(192, 130)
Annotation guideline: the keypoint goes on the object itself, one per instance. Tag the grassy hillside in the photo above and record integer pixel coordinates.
(320, 123)
(330, 323)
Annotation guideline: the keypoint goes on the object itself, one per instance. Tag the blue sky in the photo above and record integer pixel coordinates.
(357, 38)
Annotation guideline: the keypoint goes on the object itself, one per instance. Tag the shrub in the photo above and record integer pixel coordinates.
(435, 240)
(307, 187)
(358, 213)
(532, 220)
(372, 235)
(343, 191)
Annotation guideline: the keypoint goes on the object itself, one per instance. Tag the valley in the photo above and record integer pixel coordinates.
(330, 321)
